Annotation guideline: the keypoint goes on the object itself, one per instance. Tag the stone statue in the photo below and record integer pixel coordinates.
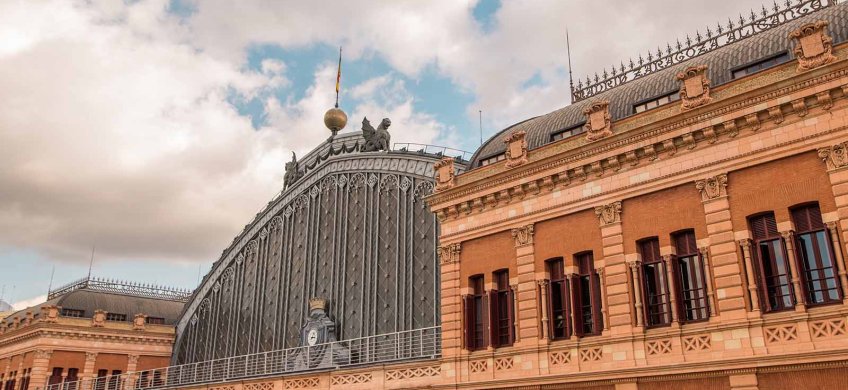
(376, 139)
(292, 172)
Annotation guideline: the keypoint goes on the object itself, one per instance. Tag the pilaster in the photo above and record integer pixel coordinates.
(88, 370)
(40, 364)
(614, 267)
(795, 276)
(724, 262)
(835, 158)
(132, 366)
(451, 304)
(527, 330)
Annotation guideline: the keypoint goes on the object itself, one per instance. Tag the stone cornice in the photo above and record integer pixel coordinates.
(549, 157)
(603, 165)
(79, 333)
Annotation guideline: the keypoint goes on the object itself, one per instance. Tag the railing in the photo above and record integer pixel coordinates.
(122, 287)
(415, 344)
(460, 155)
(701, 43)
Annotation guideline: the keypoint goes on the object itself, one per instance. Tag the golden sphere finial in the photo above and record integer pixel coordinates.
(335, 119)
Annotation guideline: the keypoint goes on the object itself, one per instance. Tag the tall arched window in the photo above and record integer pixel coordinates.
(586, 296)
(772, 262)
(654, 284)
(691, 284)
(815, 253)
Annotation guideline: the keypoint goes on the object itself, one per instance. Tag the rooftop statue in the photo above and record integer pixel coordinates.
(292, 172)
(376, 139)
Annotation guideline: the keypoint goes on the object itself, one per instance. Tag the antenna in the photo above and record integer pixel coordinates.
(91, 262)
(339, 77)
(481, 126)
(52, 273)
(570, 79)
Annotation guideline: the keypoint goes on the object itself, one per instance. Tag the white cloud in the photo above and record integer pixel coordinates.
(20, 305)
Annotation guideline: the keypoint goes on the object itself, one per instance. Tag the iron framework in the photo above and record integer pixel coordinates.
(710, 40)
(122, 287)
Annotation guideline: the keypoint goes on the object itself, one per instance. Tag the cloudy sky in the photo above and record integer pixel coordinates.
(153, 130)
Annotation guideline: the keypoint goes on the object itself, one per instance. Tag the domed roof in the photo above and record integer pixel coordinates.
(720, 63)
(85, 299)
(4, 306)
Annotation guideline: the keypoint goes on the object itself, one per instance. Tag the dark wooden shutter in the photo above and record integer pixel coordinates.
(576, 305)
(685, 244)
(510, 309)
(550, 309)
(597, 318)
(468, 318)
(567, 303)
(807, 218)
(763, 226)
(493, 318)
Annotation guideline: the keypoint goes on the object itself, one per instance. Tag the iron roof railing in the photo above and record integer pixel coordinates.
(710, 40)
(122, 287)
(418, 344)
(460, 155)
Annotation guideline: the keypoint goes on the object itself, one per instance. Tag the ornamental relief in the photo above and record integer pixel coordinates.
(835, 156)
(444, 174)
(713, 187)
(516, 149)
(609, 214)
(523, 235)
(598, 121)
(449, 254)
(813, 46)
(694, 87)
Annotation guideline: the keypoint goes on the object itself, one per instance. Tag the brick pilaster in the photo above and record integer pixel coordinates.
(527, 330)
(451, 302)
(724, 258)
(836, 159)
(616, 306)
(40, 364)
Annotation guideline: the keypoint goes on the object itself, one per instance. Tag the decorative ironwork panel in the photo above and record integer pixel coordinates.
(353, 260)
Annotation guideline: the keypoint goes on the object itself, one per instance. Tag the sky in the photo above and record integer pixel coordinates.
(149, 132)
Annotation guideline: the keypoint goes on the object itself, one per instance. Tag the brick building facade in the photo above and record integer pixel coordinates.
(92, 330)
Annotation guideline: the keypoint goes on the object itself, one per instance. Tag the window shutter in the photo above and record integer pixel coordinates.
(575, 304)
(764, 226)
(468, 326)
(493, 318)
(510, 309)
(550, 309)
(567, 305)
(598, 320)
(807, 218)
(685, 243)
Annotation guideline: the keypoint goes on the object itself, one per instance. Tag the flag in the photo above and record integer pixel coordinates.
(339, 74)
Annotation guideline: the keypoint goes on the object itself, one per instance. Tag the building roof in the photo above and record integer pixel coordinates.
(88, 295)
(4, 306)
(622, 98)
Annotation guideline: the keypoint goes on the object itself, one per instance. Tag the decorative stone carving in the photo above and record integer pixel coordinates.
(132, 359)
(694, 87)
(43, 354)
(835, 156)
(516, 149)
(813, 46)
(293, 173)
(523, 235)
(800, 107)
(99, 318)
(609, 214)
(753, 121)
(28, 318)
(444, 174)
(598, 120)
(376, 139)
(731, 129)
(90, 356)
(776, 114)
(824, 100)
(449, 254)
(139, 321)
(50, 314)
(712, 187)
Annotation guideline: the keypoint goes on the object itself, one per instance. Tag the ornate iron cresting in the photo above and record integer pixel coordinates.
(439, 151)
(710, 40)
(122, 287)
(418, 344)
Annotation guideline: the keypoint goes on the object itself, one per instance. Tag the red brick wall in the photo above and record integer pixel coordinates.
(662, 213)
(564, 236)
(487, 254)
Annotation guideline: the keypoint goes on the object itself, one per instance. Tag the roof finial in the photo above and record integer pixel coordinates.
(568, 51)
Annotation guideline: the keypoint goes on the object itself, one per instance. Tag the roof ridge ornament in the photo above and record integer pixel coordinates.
(702, 44)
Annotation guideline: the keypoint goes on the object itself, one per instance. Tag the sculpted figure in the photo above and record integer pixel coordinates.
(376, 139)
(292, 173)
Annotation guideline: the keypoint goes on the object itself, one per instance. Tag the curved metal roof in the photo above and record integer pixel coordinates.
(88, 301)
(622, 98)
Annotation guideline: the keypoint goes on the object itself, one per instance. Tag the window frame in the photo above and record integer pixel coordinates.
(558, 135)
(801, 256)
(644, 102)
(677, 263)
(655, 261)
(759, 265)
(557, 277)
(758, 62)
(475, 303)
(585, 264)
(501, 306)
(491, 159)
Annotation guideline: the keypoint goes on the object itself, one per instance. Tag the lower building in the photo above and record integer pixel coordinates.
(93, 330)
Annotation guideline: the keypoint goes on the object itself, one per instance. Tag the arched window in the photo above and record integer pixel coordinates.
(815, 253)
(691, 284)
(772, 262)
(586, 296)
(654, 284)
